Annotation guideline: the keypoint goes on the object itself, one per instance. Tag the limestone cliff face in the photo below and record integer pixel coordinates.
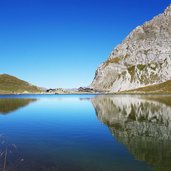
(143, 58)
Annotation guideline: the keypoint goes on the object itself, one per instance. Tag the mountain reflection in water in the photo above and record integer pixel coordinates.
(142, 124)
(8, 105)
(62, 133)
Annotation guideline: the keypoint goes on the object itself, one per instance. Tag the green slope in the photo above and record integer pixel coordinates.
(10, 84)
(164, 88)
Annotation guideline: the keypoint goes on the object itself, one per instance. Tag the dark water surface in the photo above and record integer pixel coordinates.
(85, 133)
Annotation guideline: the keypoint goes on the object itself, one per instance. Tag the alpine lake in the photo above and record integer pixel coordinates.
(85, 132)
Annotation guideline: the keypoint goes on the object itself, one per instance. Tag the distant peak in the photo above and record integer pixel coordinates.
(4, 74)
(168, 10)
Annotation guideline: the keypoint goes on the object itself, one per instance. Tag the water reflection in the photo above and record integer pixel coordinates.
(142, 124)
(11, 104)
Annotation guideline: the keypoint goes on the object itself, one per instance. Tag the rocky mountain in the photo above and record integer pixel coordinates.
(141, 123)
(142, 59)
(12, 85)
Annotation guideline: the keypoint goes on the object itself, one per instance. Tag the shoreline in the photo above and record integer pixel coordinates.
(119, 93)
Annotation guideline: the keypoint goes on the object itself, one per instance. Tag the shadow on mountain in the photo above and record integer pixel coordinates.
(10, 105)
(141, 123)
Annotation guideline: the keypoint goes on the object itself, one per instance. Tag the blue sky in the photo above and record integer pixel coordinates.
(60, 43)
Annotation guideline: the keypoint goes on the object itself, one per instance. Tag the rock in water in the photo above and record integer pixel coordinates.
(142, 59)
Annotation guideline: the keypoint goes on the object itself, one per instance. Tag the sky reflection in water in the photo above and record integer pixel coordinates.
(86, 132)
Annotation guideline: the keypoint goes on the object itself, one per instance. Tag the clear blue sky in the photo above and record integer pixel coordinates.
(60, 43)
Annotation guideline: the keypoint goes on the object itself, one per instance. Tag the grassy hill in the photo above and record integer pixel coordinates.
(164, 88)
(10, 85)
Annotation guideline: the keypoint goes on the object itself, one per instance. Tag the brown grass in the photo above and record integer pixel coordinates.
(10, 85)
(161, 88)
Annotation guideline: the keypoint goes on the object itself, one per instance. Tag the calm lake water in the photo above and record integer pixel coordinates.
(85, 133)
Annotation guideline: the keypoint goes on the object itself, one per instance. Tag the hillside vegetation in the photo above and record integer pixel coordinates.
(164, 88)
(10, 85)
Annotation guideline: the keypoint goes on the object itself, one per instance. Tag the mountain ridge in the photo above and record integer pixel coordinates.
(142, 59)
